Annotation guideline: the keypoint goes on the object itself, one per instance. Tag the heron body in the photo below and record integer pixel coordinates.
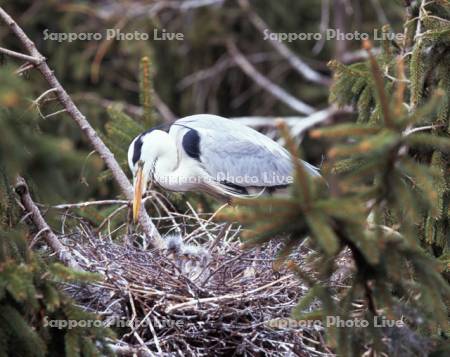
(211, 154)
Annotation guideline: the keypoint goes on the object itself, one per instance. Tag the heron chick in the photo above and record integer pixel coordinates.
(210, 154)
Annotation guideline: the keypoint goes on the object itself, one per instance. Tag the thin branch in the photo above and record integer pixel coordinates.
(23, 68)
(193, 4)
(65, 206)
(295, 61)
(382, 18)
(358, 55)
(318, 117)
(262, 121)
(43, 95)
(265, 83)
(163, 108)
(54, 114)
(222, 64)
(107, 156)
(298, 125)
(131, 109)
(63, 252)
(341, 19)
(152, 9)
(324, 25)
(21, 56)
(410, 131)
(127, 350)
(89, 203)
(36, 102)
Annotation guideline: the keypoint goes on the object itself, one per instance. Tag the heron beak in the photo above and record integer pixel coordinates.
(138, 184)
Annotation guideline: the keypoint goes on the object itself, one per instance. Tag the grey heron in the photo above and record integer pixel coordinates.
(211, 154)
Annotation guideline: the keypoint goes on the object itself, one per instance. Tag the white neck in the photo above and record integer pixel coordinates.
(166, 163)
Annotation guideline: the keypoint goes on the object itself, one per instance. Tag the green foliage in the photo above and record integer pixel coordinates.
(30, 300)
(46, 159)
(387, 203)
(30, 297)
(421, 97)
(29, 292)
(149, 118)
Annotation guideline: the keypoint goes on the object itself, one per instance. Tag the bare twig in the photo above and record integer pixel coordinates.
(134, 110)
(340, 24)
(21, 56)
(89, 203)
(23, 68)
(298, 125)
(382, 18)
(410, 131)
(358, 55)
(127, 350)
(295, 61)
(221, 65)
(54, 114)
(63, 253)
(163, 108)
(43, 95)
(107, 156)
(324, 25)
(265, 83)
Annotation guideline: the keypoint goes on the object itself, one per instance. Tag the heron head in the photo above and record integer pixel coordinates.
(143, 153)
(141, 160)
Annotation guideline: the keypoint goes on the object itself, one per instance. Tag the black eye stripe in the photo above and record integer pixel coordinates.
(137, 149)
(138, 143)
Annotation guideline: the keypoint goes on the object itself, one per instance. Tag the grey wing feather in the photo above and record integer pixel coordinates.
(237, 154)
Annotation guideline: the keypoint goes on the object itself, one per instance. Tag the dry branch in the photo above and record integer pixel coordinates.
(295, 61)
(163, 109)
(127, 350)
(265, 83)
(52, 240)
(152, 9)
(19, 55)
(107, 156)
(298, 125)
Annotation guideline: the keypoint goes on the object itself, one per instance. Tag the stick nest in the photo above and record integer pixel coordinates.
(216, 300)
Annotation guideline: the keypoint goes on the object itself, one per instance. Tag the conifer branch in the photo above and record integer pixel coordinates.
(299, 170)
(378, 78)
(401, 87)
(107, 156)
(63, 252)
